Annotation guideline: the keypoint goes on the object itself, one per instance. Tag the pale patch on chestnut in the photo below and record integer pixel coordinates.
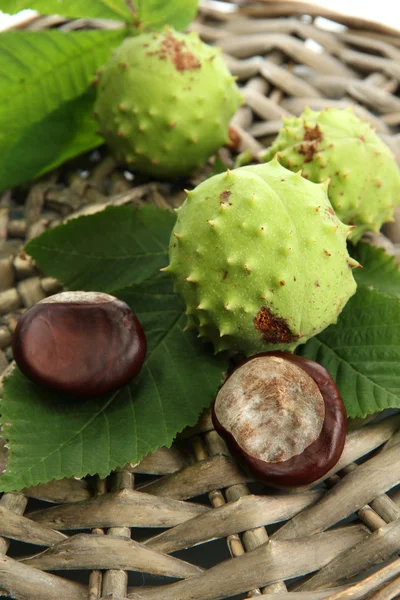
(282, 416)
(78, 298)
(273, 409)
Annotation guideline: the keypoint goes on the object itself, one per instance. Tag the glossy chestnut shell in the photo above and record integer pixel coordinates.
(80, 343)
(318, 457)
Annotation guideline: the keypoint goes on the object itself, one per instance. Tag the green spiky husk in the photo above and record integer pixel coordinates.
(364, 177)
(164, 102)
(260, 259)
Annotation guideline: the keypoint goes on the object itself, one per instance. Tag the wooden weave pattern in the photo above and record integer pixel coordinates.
(289, 545)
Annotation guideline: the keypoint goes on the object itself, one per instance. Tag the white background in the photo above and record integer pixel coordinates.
(385, 11)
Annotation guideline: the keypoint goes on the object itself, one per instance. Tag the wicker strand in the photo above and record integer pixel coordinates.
(116, 581)
(364, 555)
(96, 576)
(217, 499)
(15, 503)
(389, 591)
(251, 538)
(363, 589)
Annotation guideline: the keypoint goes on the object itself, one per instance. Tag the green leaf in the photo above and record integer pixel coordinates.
(380, 271)
(106, 251)
(51, 438)
(362, 352)
(154, 14)
(63, 134)
(102, 9)
(45, 105)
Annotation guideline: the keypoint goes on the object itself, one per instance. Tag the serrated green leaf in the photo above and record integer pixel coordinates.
(154, 14)
(50, 438)
(63, 134)
(101, 9)
(106, 251)
(44, 79)
(380, 270)
(362, 352)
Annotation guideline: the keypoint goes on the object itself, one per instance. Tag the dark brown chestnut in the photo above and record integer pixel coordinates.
(80, 343)
(282, 416)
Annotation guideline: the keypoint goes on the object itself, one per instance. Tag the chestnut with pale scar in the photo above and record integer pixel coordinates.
(283, 418)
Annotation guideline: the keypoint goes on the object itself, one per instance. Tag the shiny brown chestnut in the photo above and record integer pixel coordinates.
(281, 415)
(80, 343)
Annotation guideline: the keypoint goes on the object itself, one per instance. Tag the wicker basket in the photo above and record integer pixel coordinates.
(338, 541)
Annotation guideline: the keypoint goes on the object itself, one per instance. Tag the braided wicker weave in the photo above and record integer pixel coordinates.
(338, 541)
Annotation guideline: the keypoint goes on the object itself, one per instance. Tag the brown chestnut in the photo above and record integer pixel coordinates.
(282, 416)
(80, 343)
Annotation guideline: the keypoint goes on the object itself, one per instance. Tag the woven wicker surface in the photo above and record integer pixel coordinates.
(337, 541)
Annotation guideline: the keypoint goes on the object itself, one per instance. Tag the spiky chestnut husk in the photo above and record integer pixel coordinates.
(165, 101)
(335, 144)
(260, 259)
